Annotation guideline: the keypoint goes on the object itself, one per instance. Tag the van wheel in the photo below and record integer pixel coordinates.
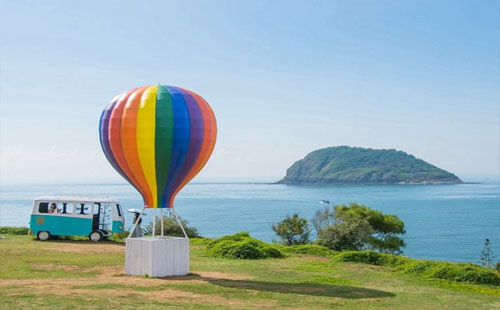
(43, 235)
(95, 236)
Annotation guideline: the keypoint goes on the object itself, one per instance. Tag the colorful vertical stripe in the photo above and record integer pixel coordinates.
(158, 138)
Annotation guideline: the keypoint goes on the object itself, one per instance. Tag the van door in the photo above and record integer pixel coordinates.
(96, 211)
(118, 219)
(102, 216)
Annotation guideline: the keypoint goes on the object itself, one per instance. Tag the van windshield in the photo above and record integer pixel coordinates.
(43, 207)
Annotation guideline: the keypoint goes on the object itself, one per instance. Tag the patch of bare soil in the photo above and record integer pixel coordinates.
(226, 276)
(59, 267)
(84, 247)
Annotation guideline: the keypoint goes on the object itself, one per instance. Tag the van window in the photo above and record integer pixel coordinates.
(83, 208)
(118, 210)
(43, 207)
(55, 208)
(59, 208)
(67, 208)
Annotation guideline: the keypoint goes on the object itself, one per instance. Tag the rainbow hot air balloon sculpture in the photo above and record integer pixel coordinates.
(158, 138)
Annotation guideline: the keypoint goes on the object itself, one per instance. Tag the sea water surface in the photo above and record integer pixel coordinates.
(443, 222)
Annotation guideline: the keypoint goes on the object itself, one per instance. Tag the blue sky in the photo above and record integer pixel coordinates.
(283, 77)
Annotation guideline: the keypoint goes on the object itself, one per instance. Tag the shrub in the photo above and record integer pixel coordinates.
(417, 266)
(349, 234)
(273, 252)
(370, 257)
(171, 228)
(14, 230)
(468, 273)
(357, 227)
(234, 237)
(308, 249)
(292, 230)
(386, 227)
(242, 246)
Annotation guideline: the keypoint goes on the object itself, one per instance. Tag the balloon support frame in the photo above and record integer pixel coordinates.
(157, 256)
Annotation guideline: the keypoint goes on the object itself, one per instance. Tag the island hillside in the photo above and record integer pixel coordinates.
(345, 165)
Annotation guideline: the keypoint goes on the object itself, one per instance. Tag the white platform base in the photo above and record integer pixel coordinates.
(157, 257)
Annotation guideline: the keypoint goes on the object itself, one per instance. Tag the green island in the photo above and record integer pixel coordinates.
(80, 274)
(344, 165)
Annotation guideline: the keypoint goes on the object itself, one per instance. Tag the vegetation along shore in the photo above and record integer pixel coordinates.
(235, 272)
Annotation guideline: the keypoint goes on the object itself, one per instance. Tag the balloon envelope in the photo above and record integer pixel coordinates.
(158, 138)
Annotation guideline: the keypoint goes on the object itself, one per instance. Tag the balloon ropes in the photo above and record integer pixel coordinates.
(158, 138)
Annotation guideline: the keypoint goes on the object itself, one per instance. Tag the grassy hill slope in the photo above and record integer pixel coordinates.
(85, 275)
(355, 165)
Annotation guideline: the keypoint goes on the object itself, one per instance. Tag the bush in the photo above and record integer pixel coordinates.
(242, 246)
(418, 266)
(370, 257)
(308, 249)
(349, 234)
(468, 273)
(14, 230)
(358, 227)
(171, 228)
(234, 237)
(386, 227)
(292, 230)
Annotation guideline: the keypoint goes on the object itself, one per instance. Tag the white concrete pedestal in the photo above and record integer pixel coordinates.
(157, 257)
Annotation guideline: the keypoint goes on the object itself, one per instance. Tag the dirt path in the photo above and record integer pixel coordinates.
(85, 247)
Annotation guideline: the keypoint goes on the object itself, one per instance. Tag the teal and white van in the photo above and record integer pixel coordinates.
(96, 218)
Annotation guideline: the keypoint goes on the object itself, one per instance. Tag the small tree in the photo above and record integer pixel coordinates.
(323, 218)
(487, 255)
(292, 230)
(386, 227)
(351, 233)
(172, 228)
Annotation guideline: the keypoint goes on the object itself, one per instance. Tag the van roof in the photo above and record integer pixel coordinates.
(76, 199)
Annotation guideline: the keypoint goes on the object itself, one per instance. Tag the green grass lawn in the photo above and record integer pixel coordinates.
(71, 274)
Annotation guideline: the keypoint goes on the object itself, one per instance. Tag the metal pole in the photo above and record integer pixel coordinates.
(154, 222)
(162, 222)
(136, 223)
(179, 222)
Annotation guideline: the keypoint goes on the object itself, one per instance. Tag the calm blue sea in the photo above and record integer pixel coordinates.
(443, 222)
